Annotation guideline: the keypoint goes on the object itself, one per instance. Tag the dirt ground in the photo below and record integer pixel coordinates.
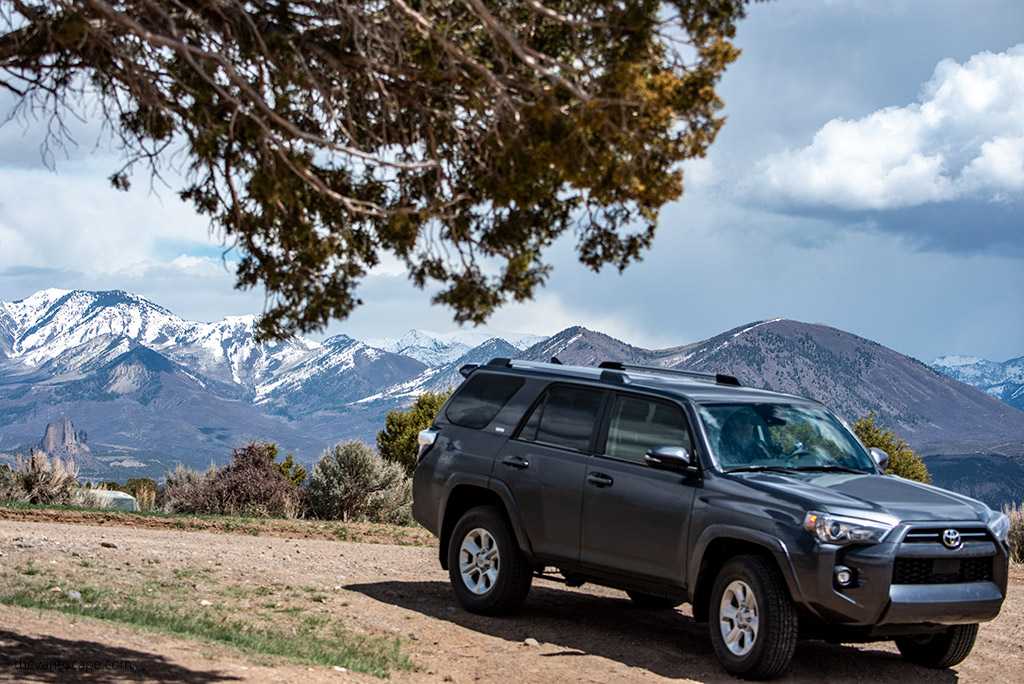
(589, 634)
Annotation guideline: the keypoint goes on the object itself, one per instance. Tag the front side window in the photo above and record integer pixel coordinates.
(782, 436)
(566, 417)
(637, 424)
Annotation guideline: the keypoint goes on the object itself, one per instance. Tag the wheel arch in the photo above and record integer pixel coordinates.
(717, 545)
(464, 496)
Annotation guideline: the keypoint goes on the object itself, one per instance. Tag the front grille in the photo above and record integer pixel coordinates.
(930, 535)
(941, 570)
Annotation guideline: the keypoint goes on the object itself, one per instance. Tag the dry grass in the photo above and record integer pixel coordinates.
(1016, 538)
(39, 479)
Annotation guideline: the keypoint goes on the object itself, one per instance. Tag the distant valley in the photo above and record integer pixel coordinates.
(152, 389)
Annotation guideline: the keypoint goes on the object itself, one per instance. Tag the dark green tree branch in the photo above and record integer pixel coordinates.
(462, 136)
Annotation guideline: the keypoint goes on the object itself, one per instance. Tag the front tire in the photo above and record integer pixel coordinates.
(488, 572)
(753, 622)
(941, 650)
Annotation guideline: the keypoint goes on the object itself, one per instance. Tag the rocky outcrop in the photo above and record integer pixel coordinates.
(62, 440)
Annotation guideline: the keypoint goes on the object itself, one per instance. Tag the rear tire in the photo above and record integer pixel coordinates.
(941, 650)
(753, 621)
(651, 602)
(488, 572)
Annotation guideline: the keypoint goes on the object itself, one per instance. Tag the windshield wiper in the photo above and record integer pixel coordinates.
(758, 468)
(833, 468)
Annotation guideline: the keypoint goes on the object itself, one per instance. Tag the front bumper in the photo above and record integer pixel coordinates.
(902, 583)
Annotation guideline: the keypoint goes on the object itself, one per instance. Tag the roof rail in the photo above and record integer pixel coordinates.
(613, 371)
(718, 378)
(555, 366)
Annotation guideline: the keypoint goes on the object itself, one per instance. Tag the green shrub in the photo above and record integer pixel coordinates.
(397, 442)
(144, 490)
(135, 484)
(902, 460)
(351, 482)
(295, 473)
(112, 486)
(1016, 538)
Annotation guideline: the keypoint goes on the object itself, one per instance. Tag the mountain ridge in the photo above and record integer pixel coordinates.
(140, 378)
(1004, 381)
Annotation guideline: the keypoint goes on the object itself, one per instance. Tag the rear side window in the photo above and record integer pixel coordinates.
(480, 398)
(566, 417)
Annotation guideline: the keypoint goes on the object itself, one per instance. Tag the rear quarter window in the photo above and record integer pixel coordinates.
(480, 398)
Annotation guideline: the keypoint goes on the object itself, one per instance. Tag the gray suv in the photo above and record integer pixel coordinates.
(762, 510)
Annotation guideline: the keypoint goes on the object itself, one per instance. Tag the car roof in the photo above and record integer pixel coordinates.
(699, 387)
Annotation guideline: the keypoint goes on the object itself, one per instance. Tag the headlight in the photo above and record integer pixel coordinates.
(834, 529)
(999, 524)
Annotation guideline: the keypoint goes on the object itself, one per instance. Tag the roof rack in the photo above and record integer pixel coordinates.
(719, 378)
(613, 375)
(613, 371)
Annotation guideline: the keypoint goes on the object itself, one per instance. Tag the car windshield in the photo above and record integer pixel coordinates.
(778, 436)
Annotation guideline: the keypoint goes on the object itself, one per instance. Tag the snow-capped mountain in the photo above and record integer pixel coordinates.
(139, 377)
(440, 349)
(1003, 381)
(152, 388)
(50, 323)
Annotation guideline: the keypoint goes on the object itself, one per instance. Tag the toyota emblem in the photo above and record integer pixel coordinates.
(951, 539)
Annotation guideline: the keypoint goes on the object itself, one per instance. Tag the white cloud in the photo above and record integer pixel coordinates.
(74, 220)
(964, 138)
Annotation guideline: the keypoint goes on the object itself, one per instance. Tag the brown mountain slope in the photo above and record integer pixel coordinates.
(850, 374)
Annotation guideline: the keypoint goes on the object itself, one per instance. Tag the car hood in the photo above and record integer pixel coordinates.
(880, 497)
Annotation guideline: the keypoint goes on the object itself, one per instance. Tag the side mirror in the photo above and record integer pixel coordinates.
(670, 458)
(879, 457)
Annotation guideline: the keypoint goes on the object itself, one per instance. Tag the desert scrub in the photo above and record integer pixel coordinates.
(1016, 537)
(351, 482)
(251, 485)
(187, 491)
(40, 480)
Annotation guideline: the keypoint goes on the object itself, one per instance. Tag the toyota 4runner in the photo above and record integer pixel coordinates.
(762, 510)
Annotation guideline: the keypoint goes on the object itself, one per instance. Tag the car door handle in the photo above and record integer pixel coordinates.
(516, 462)
(600, 479)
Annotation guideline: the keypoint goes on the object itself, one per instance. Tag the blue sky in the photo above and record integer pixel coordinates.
(870, 176)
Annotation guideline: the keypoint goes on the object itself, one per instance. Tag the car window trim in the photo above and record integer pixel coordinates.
(542, 399)
(602, 446)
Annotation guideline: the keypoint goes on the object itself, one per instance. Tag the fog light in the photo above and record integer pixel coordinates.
(844, 576)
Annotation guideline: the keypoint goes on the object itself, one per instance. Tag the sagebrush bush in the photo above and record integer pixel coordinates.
(188, 491)
(38, 480)
(1016, 538)
(252, 484)
(351, 482)
(9, 491)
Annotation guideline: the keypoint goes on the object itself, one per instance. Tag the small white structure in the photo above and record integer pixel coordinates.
(115, 501)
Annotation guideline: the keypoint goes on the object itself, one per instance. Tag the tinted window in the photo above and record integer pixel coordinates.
(566, 417)
(637, 424)
(480, 398)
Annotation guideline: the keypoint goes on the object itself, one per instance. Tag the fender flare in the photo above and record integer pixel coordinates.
(495, 487)
(778, 549)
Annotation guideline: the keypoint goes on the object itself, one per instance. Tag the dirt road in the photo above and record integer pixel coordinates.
(562, 635)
